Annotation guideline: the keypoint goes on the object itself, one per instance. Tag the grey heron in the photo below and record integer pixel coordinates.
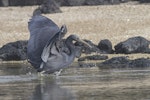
(46, 49)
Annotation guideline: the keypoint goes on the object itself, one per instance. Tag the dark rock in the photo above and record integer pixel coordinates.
(93, 57)
(74, 2)
(14, 51)
(123, 1)
(140, 62)
(48, 6)
(119, 62)
(94, 2)
(105, 46)
(88, 2)
(124, 62)
(115, 62)
(86, 49)
(23, 2)
(133, 45)
(86, 65)
(66, 2)
(144, 1)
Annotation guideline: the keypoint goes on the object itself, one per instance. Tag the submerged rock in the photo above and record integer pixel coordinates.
(14, 51)
(122, 62)
(86, 65)
(93, 57)
(140, 62)
(115, 62)
(118, 62)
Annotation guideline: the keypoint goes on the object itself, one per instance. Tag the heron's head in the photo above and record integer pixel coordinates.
(76, 38)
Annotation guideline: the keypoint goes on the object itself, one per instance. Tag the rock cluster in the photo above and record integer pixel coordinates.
(60, 2)
(18, 51)
(132, 45)
(14, 51)
(88, 2)
(119, 62)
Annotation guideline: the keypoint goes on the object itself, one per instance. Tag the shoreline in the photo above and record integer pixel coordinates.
(130, 56)
(113, 22)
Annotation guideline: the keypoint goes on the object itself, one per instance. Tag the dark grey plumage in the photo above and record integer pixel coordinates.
(41, 30)
(46, 50)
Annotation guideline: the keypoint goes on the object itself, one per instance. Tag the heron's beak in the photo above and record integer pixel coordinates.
(85, 43)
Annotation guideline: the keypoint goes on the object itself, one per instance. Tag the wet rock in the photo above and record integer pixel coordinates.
(86, 65)
(140, 62)
(14, 51)
(122, 62)
(133, 45)
(105, 46)
(123, 1)
(118, 62)
(115, 62)
(144, 1)
(103, 2)
(93, 57)
(83, 64)
(86, 49)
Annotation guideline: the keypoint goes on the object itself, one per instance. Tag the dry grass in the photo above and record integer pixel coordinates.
(115, 23)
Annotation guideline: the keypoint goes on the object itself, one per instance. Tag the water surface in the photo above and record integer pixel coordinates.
(21, 82)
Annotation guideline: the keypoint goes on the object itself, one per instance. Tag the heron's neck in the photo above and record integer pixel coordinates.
(70, 45)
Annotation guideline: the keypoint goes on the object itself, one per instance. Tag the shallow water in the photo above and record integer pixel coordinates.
(21, 82)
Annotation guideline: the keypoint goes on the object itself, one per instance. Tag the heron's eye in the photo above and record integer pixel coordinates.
(77, 38)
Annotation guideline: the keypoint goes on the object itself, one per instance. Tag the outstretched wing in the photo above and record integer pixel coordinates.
(48, 49)
(55, 41)
(41, 30)
(39, 22)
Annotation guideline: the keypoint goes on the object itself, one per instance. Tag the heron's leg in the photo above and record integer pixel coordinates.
(41, 73)
(57, 73)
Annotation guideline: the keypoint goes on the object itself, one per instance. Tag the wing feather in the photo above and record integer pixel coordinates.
(41, 31)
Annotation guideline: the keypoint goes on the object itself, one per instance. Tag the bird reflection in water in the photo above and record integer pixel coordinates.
(48, 89)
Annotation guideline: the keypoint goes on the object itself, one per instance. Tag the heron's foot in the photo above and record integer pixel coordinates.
(57, 73)
(42, 73)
